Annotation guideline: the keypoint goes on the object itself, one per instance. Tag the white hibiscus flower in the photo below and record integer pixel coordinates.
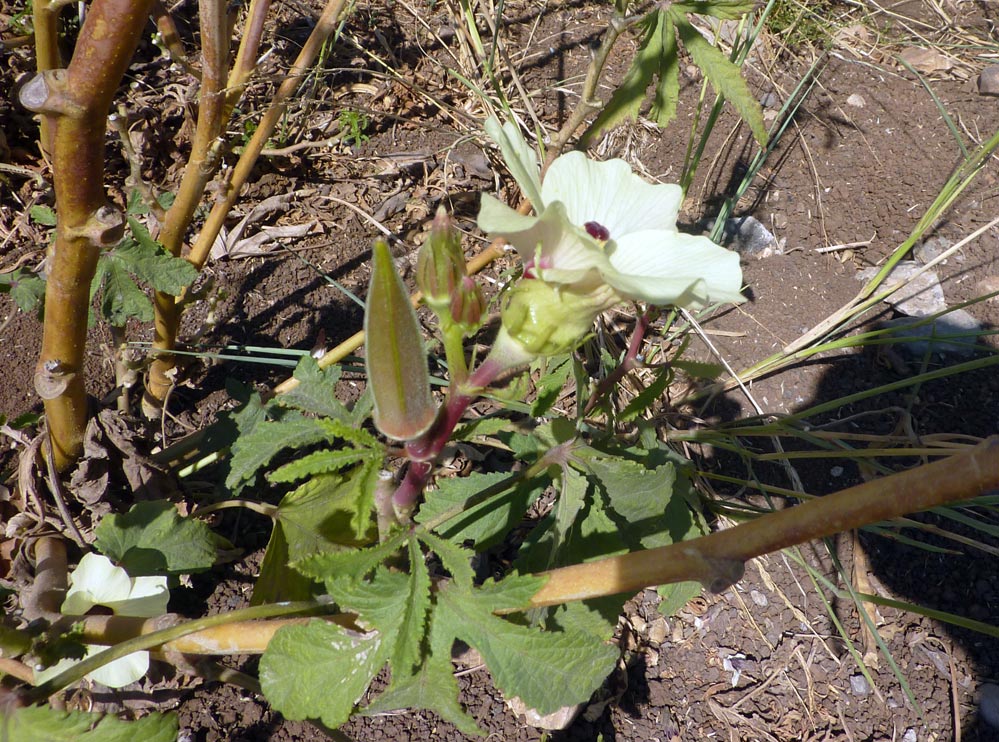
(603, 235)
(96, 581)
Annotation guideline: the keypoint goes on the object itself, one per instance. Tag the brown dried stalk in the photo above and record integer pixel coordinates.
(74, 104)
(201, 168)
(168, 318)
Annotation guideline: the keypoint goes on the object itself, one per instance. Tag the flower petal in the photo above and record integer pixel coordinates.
(610, 194)
(95, 581)
(674, 268)
(148, 597)
(123, 671)
(520, 158)
(563, 252)
(496, 218)
(115, 674)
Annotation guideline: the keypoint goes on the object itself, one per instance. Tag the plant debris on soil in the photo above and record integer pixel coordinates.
(867, 152)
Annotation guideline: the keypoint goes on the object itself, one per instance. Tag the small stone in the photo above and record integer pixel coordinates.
(910, 735)
(856, 100)
(747, 236)
(988, 704)
(836, 471)
(931, 249)
(658, 631)
(954, 333)
(921, 295)
(769, 100)
(759, 598)
(556, 720)
(988, 81)
(859, 685)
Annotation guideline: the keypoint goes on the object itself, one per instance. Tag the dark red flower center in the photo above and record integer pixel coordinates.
(597, 231)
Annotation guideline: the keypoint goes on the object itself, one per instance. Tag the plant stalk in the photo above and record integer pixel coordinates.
(717, 559)
(168, 316)
(75, 103)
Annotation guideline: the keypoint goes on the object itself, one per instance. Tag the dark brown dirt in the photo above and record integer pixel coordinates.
(842, 174)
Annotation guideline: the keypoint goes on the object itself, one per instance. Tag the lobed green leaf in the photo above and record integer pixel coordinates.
(545, 669)
(316, 390)
(724, 75)
(152, 539)
(147, 259)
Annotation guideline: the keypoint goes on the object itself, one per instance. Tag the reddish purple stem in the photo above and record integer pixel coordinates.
(423, 450)
(629, 362)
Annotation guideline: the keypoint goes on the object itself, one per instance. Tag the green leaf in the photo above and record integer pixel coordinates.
(723, 75)
(316, 390)
(482, 426)
(635, 491)
(699, 370)
(321, 516)
(432, 687)
(626, 101)
(668, 88)
(676, 596)
(46, 724)
(44, 215)
(277, 581)
(152, 539)
(410, 630)
(395, 359)
(455, 559)
(27, 289)
(320, 462)
(267, 438)
(320, 670)
(483, 524)
(550, 386)
(323, 672)
(730, 10)
(648, 396)
(148, 260)
(572, 499)
(121, 297)
(546, 670)
(350, 564)
(329, 512)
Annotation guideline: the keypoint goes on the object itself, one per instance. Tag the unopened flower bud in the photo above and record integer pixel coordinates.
(546, 320)
(468, 305)
(440, 264)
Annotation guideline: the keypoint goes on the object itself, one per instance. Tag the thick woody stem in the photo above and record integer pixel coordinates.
(201, 167)
(75, 103)
(716, 560)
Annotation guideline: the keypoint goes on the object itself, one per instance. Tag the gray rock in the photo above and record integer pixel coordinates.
(931, 249)
(747, 236)
(988, 704)
(921, 297)
(988, 81)
(954, 333)
(859, 685)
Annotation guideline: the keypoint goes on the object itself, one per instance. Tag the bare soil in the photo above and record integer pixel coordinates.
(866, 154)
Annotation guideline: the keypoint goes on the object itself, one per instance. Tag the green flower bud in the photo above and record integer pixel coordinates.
(440, 264)
(546, 320)
(467, 306)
